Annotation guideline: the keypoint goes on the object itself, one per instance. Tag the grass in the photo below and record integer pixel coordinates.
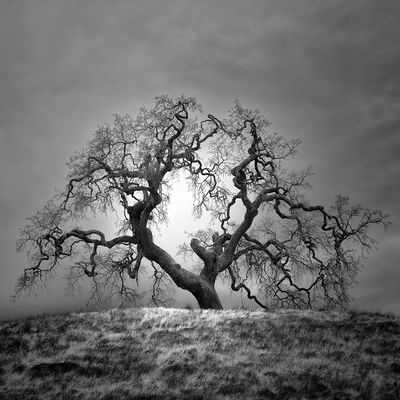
(150, 354)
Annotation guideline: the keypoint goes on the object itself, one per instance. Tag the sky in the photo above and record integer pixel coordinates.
(325, 72)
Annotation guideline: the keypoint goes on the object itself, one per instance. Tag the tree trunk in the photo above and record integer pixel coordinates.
(201, 287)
(206, 295)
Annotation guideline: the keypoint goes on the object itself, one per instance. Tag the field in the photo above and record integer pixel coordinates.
(151, 354)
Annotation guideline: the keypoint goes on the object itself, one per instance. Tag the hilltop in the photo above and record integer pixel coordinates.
(154, 354)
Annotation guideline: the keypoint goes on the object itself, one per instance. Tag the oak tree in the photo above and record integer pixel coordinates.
(266, 236)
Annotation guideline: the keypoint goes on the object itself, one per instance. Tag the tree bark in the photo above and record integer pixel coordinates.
(199, 286)
(206, 295)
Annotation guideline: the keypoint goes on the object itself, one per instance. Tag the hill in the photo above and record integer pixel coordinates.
(151, 354)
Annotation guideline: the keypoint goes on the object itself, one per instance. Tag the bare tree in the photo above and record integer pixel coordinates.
(295, 253)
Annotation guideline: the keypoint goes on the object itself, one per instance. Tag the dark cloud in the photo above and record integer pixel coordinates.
(327, 72)
(378, 287)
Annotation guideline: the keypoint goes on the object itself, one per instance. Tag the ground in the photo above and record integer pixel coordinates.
(195, 354)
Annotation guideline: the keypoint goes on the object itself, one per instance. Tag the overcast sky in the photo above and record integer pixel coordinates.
(325, 72)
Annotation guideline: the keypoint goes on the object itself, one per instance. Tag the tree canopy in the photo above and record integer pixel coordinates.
(291, 252)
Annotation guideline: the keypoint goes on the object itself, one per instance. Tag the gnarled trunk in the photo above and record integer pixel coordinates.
(206, 295)
(201, 287)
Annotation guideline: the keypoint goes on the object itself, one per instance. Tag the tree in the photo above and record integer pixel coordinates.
(297, 254)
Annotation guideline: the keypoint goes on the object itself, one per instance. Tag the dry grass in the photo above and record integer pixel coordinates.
(183, 354)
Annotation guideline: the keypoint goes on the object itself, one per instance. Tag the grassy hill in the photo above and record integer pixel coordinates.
(183, 354)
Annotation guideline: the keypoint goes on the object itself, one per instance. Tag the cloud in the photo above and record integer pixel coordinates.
(326, 72)
(378, 284)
